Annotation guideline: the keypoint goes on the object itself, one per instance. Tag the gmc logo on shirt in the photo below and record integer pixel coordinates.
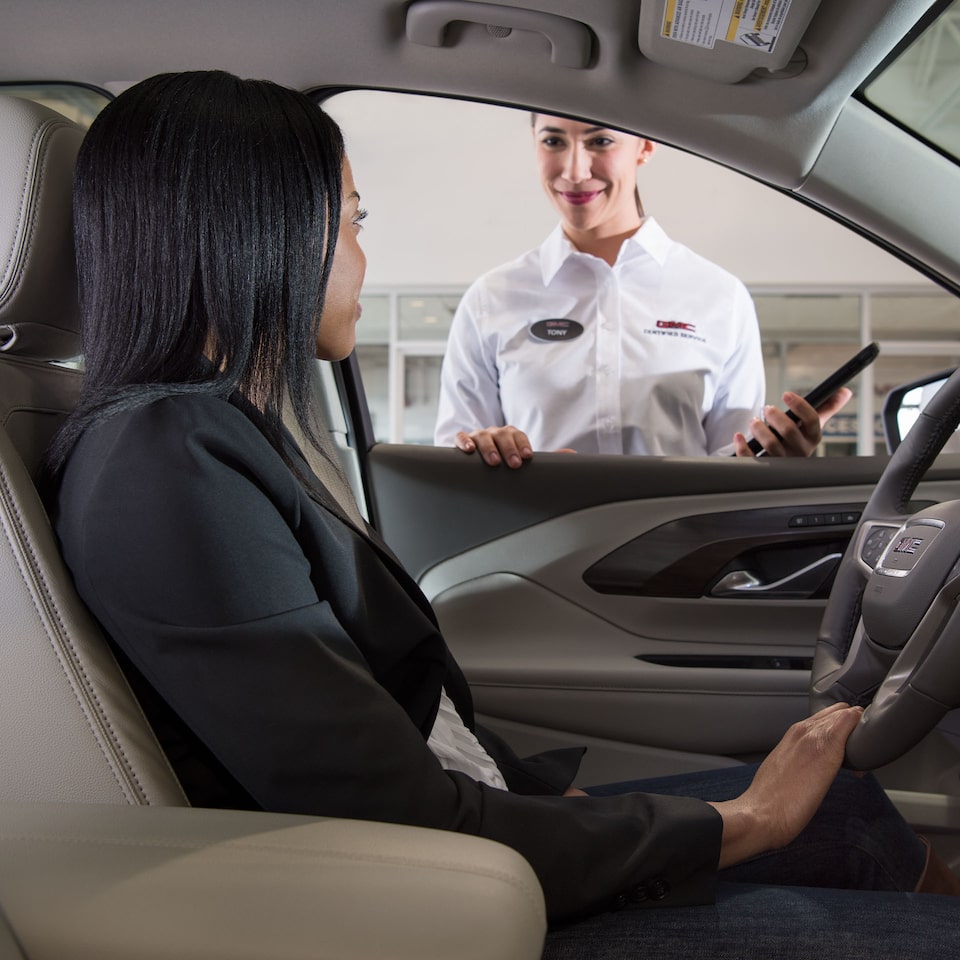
(676, 325)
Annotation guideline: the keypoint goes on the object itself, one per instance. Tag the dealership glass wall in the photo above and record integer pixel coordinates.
(805, 334)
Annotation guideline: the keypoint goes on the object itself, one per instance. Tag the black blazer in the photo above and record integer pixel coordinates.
(288, 662)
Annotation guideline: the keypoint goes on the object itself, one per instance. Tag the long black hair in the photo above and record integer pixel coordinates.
(206, 212)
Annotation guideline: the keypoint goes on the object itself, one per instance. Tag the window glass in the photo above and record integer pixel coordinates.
(892, 370)
(80, 104)
(375, 324)
(931, 317)
(814, 315)
(805, 336)
(373, 355)
(456, 193)
(919, 87)
(374, 361)
(421, 387)
(426, 317)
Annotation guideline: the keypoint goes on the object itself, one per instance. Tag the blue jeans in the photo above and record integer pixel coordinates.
(840, 891)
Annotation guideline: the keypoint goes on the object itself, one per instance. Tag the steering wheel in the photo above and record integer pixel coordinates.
(890, 635)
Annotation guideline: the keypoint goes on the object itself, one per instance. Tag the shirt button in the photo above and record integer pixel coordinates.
(619, 901)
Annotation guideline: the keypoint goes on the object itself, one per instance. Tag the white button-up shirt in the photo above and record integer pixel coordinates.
(659, 354)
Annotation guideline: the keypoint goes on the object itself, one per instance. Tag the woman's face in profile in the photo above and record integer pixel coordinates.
(341, 310)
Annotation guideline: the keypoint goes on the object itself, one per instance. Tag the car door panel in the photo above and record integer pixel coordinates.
(641, 662)
(544, 649)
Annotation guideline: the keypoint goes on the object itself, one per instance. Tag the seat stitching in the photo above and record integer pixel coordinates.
(47, 127)
(25, 194)
(41, 583)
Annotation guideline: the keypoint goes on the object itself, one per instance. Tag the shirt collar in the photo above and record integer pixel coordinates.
(652, 240)
(649, 239)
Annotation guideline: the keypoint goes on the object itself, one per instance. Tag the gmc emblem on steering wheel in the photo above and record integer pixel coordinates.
(907, 545)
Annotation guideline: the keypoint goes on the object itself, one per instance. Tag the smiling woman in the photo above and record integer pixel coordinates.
(666, 359)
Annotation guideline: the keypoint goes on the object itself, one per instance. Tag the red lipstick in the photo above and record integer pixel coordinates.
(580, 197)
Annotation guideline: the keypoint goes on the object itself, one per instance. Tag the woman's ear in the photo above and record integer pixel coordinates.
(645, 152)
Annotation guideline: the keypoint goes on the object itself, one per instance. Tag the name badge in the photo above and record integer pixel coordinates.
(553, 330)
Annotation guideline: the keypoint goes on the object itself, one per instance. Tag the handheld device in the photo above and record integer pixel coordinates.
(826, 388)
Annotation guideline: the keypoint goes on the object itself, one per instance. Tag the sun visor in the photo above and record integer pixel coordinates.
(724, 40)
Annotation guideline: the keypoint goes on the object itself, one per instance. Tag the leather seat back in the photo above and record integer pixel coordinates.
(70, 728)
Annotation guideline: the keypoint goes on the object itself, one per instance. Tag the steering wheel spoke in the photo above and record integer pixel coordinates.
(855, 678)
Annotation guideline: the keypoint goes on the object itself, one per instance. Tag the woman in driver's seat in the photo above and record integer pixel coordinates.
(282, 654)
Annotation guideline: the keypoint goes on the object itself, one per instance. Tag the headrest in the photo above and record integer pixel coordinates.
(39, 313)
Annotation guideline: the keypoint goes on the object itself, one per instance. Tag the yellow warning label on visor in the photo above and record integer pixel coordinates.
(752, 23)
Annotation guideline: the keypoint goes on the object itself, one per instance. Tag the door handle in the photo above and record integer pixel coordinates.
(800, 584)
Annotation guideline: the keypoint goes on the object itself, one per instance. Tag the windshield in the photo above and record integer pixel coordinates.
(920, 88)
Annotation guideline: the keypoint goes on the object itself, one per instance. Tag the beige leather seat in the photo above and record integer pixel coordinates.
(71, 729)
(100, 855)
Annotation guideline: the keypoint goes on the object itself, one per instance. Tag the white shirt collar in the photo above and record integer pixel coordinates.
(649, 239)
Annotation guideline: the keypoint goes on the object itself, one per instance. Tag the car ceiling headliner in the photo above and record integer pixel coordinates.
(779, 123)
